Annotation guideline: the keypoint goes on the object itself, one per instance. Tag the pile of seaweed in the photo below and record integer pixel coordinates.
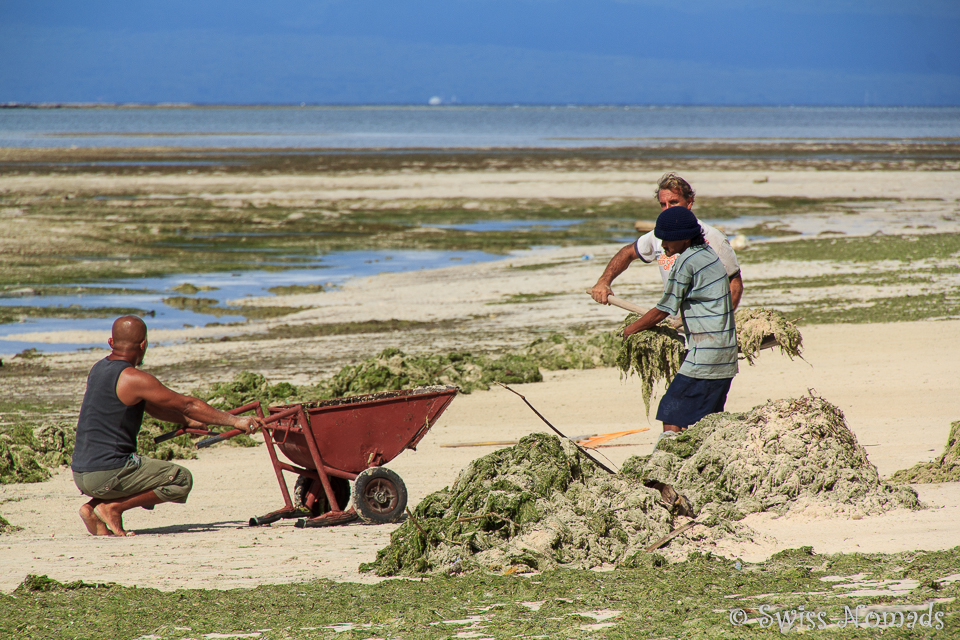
(394, 369)
(754, 325)
(538, 504)
(557, 352)
(246, 387)
(542, 504)
(946, 468)
(784, 455)
(27, 451)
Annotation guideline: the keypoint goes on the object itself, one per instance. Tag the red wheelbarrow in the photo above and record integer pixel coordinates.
(333, 442)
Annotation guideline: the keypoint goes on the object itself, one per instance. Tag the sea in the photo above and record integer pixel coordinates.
(446, 127)
(401, 127)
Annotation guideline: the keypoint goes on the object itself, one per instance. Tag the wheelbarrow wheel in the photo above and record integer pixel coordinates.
(379, 495)
(341, 490)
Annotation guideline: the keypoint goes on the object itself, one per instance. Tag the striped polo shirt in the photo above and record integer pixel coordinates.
(698, 289)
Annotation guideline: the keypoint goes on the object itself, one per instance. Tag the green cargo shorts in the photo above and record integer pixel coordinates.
(171, 482)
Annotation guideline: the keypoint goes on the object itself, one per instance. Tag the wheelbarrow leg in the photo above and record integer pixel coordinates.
(308, 435)
(273, 516)
(336, 515)
(288, 510)
(329, 519)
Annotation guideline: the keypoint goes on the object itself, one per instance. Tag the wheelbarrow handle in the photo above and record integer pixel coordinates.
(169, 435)
(226, 435)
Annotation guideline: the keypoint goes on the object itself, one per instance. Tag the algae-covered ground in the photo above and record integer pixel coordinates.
(904, 595)
(879, 278)
(91, 237)
(54, 240)
(52, 245)
(57, 234)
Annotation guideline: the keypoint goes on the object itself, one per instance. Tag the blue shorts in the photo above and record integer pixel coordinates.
(688, 400)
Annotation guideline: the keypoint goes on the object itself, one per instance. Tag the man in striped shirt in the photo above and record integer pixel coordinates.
(698, 289)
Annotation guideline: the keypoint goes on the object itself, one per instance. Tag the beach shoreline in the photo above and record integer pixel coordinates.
(891, 379)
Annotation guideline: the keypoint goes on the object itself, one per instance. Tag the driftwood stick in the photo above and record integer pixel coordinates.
(486, 515)
(415, 523)
(560, 433)
(670, 536)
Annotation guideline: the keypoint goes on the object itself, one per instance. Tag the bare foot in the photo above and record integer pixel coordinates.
(111, 518)
(94, 525)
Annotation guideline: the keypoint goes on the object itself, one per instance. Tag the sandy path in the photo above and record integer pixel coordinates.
(503, 184)
(895, 383)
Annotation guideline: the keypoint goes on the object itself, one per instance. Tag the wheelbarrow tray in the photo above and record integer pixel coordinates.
(340, 440)
(356, 433)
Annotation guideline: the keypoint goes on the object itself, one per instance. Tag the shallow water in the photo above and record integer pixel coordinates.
(331, 270)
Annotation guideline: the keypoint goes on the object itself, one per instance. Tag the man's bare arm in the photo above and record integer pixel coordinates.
(170, 415)
(135, 385)
(617, 265)
(736, 290)
(649, 320)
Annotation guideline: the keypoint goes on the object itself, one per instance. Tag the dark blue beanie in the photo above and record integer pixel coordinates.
(677, 223)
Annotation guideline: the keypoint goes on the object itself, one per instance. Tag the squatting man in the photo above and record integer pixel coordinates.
(702, 285)
(106, 466)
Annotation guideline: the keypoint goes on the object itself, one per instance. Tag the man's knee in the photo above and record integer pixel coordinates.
(178, 486)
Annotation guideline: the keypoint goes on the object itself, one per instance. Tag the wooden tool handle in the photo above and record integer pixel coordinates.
(623, 304)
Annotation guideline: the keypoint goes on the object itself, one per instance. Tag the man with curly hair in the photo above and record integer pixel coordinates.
(672, 191)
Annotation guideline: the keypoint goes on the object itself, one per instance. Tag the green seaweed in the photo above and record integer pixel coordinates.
(6, 527)
(29, 451)
(692, 599)
(296, 289)
(868, 249)
(754, 326)
(526, 298)
(191, 289)
(654, 355)
(10, 314)
(295, 331)
(393, 369)
(246, 387)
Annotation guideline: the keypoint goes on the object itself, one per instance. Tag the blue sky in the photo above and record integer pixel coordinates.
(482, 51)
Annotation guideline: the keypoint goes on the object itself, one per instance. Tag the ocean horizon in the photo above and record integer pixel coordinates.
(457, 126)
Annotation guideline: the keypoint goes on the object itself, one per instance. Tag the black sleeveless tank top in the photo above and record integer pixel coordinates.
(107, 429)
